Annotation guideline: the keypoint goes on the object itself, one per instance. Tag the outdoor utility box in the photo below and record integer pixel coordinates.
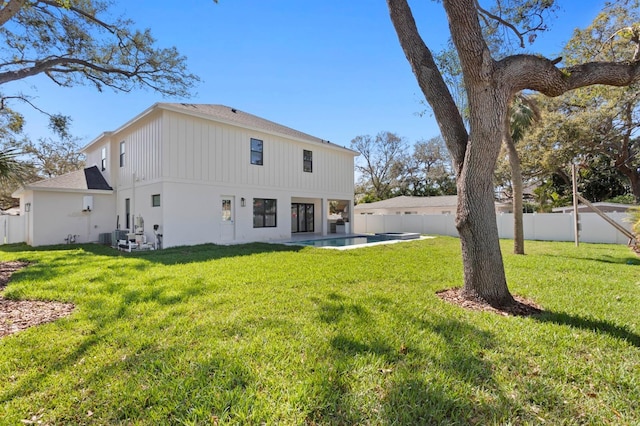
(87, 203)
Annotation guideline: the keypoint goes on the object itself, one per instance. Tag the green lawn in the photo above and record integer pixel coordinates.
(272, 334)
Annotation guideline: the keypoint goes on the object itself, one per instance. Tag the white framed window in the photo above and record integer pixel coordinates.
(257, 152)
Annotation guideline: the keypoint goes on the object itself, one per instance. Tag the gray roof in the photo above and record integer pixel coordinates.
(408, 202)
(71, 180)
(85, 179)
(228, 115)
(602, 206)
(241, 118)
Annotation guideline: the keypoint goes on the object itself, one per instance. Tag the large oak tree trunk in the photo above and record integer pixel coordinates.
(484, 276)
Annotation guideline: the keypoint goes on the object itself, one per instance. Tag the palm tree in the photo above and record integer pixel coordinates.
(522, 113)
(12, 170)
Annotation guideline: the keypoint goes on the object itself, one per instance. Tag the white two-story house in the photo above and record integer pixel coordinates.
(196, 173)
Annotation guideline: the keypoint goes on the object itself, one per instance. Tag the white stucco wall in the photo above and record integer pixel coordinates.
(192, 214)
(55, 215)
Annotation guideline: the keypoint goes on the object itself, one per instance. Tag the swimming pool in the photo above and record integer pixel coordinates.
(358, 240)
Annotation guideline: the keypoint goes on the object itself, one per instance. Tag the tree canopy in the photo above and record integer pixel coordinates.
(75, 42)
(78, 42)
(596, 123)
(387, 167)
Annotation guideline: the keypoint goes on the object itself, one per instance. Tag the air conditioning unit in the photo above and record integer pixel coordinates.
(118, 234)
(105, 238)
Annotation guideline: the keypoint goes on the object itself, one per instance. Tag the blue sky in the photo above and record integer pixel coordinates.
(330, 68)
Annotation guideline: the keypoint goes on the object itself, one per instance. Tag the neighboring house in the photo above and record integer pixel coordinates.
(200, 173)
(444, 204)
(602, 206)
(13, 211)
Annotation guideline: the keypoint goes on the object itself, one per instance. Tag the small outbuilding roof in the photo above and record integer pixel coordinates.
(86, 179)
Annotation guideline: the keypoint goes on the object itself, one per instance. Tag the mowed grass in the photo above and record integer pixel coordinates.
(269, 334)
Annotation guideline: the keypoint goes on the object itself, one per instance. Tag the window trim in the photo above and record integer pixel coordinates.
(264, 215)
(307, 163)
(154, 198)
(256, 162)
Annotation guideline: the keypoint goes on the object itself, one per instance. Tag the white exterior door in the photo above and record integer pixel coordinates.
(227, 218)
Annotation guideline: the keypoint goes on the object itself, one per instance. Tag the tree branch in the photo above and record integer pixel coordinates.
(485, 13)
(468, 38)
(56, 3)
(10, 9)
(430, 81)
(72, 44)
(521, 72)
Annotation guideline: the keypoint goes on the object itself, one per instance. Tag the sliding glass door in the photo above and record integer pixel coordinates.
(301, 217)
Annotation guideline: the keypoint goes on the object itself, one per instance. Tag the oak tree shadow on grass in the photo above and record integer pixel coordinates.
(458, 383)
(169, 256)
(430, 394)
(589, 324)
(112, 325)
(161, 389)
(605, 258)
(417, 383)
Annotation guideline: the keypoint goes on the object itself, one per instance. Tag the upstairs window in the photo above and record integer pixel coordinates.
(307, 161)
(103, 161)
(155, 200)
(122, 154)
(256, 151)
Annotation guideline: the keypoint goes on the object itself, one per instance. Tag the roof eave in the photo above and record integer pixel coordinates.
(73, 190)
(138, 117)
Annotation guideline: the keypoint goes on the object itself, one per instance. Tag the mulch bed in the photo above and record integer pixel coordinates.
(522, 307)
(16, 315)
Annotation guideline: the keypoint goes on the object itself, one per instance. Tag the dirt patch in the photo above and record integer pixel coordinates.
(16, 315)
(522, 307)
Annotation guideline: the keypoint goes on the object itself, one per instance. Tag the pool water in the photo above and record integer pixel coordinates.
(344, 241)
(355, 241)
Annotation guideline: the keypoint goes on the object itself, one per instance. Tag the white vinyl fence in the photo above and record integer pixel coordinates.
(11, 229)
(537, 226)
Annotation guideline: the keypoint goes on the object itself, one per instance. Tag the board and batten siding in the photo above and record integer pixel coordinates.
(202, 150)
(143, 156)
(94, 157)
